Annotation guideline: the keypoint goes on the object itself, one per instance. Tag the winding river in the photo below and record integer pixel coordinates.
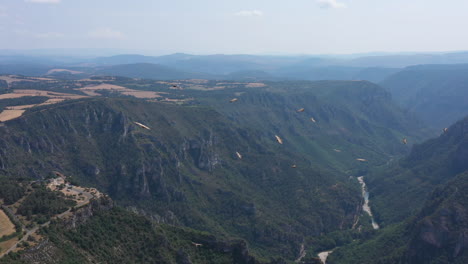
(365, 194)
(365, 206)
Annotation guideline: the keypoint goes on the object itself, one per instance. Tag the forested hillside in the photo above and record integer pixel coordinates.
(436, 234)
(436, 93)
(402, 188)
(214, 166)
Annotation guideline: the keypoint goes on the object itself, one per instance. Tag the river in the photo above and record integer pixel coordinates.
(365, 194)
(365, 206)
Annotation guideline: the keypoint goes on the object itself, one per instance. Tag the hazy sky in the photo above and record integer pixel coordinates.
(236, 26)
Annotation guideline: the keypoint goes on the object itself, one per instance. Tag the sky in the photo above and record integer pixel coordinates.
(157, 27)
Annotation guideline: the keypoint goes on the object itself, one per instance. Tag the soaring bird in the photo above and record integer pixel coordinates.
(279, 139)
(141, 125)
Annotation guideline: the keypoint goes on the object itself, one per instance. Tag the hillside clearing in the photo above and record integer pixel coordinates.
(93, 91)
(62, 70)
(23, 93)
(6, 226)
(10, 114)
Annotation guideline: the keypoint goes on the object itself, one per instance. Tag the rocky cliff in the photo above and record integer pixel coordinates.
(184, 169)
(441, 229)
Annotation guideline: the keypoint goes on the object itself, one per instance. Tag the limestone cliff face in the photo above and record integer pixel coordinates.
(183, 170)
(441, 229)
(119, 150)
(439, 234)
(83, 214)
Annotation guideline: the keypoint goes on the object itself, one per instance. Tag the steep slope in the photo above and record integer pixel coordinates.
(184, 170)
(118, 236)
(401, 189)
(437, 93)
(437, 234)
(440, 230)
(100, 232)
(341, 121)
(422, 203)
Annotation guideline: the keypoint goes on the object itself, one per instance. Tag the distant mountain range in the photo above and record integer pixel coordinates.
(261, 67)
(211, 171)
(437, 93)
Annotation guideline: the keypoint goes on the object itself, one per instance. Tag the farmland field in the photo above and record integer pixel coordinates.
(6, 226)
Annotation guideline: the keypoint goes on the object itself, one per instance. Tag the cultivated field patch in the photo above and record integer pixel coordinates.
(23, 93)
(24, 107)
(93, 91)
(63, 70)
(10, 114)
(255, 85)
(6, 226)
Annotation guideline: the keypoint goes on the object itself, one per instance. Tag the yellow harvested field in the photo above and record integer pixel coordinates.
(103, 86)
(19, 107)
(11, 96)
(6, 226)
(23, 107)
(254, 85)
(48, 94)
(9, 79)
(63, 70)
(141, 94)
(91, 91)
(7, 244)
(201, 81)
(12, 78)
(10, 114)
(177, 100)
(53, 101)
(91, 80)
(40, 79)
(23, 93)
(204, 88)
